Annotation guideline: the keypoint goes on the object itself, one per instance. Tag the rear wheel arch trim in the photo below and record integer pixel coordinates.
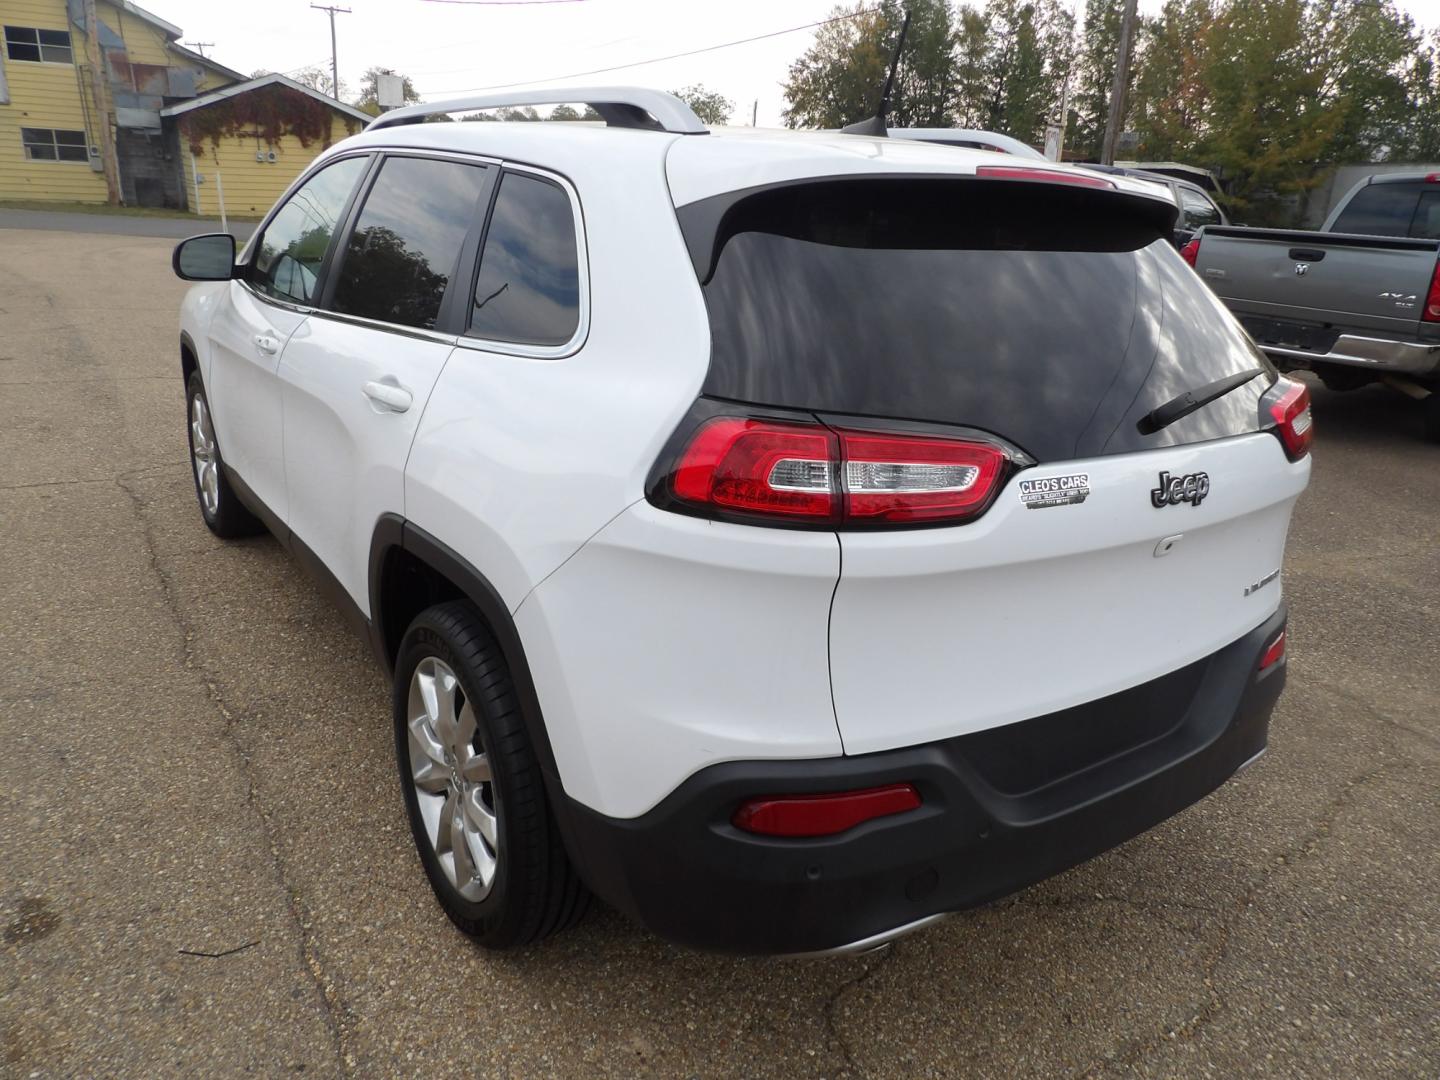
(393, 532)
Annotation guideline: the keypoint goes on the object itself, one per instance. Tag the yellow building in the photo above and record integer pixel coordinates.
(51, 138)
(250, 140)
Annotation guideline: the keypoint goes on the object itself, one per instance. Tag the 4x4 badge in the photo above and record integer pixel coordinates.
(1173, 490)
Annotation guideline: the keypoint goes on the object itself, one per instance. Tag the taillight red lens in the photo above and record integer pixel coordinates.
(1048, 176)
(1293, 421)
(1275, 653)
(813, 474)
(761, 467)
(823, 815)
(909, 478)
(1191, 251)
(1432, 301)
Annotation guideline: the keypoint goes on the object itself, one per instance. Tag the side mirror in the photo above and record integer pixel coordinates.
(205, 258)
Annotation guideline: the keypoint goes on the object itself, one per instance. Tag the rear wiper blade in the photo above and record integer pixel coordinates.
(1183, 405)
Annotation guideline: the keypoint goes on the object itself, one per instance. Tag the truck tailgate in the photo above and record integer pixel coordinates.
(1363, 282)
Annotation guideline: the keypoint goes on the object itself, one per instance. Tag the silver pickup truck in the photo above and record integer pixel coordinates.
(1356, 302)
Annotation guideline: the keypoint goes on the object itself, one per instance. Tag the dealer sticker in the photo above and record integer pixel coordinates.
(1046, 491)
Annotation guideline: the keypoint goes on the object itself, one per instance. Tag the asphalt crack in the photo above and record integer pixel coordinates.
(836, 1036)
(338, 1017)
(1216, 1002)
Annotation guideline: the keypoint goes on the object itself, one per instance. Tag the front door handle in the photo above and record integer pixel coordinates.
(267, 344)
(391, 395)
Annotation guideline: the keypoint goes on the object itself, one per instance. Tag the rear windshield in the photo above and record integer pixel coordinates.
(1052, 317)
(1386, 210)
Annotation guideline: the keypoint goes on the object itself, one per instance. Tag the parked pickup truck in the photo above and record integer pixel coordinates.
(1356, 302)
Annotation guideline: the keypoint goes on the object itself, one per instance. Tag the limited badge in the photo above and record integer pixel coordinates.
(1046, 491)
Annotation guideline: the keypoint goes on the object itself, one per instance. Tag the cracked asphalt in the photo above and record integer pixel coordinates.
(195, 759)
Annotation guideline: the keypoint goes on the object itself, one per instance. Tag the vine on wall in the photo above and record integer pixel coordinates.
(269, 113)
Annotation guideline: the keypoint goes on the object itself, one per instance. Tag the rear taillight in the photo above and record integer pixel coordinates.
(813, 474)
(1289, 405)
(1274, 652)
(1048, 176)
(1432, 301)
(823, 815)
(1191, 251)
(760, 467)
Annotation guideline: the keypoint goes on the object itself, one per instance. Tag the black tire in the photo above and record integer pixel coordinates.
(228, 518)
(535, 891)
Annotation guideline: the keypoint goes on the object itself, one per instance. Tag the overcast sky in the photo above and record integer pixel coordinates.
(449, 47)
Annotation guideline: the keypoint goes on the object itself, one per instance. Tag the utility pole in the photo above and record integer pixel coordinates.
(199, 46)
(102, 105)
(755, 112)
(332, 11)
(1116, 119)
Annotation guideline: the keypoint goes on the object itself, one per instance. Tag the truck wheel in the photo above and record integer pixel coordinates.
(473, 789)
(221, 508)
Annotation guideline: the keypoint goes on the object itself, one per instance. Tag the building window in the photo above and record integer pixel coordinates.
(38, 46)
(43, 144)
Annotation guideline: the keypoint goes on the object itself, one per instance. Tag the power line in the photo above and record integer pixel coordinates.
(503, 3)
(657, 59)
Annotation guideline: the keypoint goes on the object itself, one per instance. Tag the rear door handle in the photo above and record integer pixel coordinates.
(1313, 255)
(267, 344)
(391, 395)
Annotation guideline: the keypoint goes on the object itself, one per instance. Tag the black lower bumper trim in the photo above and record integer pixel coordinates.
(1002, 809)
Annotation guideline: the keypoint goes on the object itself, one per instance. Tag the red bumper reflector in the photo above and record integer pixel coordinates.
(1275, 653)
(823, 815)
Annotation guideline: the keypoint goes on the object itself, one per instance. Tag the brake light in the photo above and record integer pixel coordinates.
(1048, 176)
(1293, 422)
(1191, 251)
(811, 473)
(1432, 301)
(823, 815)
(760, 467)
(1275, 653)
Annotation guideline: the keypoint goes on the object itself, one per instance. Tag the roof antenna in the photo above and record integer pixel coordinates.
(875, 125)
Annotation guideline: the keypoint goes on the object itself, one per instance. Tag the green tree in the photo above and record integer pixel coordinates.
(1171, 91)
(1030, 56)
(710, 106)
(837, 81)
(369, 99)
(1095, 75)
(971, 53)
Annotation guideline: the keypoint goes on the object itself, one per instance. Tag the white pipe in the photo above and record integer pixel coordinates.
(220, 194)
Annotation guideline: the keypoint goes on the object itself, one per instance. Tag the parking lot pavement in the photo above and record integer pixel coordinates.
(197, 759)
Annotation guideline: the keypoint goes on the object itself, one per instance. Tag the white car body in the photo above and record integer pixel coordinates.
(661, 644)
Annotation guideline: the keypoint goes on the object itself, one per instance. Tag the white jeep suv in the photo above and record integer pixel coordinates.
(790, 537)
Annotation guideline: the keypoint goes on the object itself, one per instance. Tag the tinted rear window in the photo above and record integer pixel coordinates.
(1380, 210)
(1053, 318)
(406, 243)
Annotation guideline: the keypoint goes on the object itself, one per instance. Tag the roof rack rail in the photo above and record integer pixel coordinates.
(618, 106)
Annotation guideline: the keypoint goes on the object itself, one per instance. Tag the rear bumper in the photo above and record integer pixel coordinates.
(1380, 355)
(1002, 809)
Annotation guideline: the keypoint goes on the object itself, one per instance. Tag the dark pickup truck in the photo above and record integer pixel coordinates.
(1356, 302)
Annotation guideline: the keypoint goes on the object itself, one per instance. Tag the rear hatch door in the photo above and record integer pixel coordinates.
(1052, 319)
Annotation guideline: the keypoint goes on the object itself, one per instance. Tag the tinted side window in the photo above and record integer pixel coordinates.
(1427, 218)
(288, 257)
(1380, 210)
(407, 240)
(528, 288)
(1197, 209)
